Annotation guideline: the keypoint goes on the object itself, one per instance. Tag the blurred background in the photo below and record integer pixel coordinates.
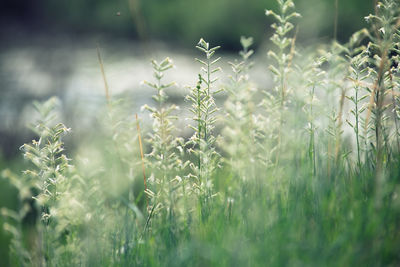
(49, 48)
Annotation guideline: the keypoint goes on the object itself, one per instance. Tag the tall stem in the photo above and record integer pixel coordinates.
(357, 129)
(312, 134)
(335, 25)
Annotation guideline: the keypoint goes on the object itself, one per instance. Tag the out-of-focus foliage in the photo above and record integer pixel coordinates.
(183, 21)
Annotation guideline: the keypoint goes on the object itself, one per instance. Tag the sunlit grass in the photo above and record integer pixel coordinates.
(303, 173)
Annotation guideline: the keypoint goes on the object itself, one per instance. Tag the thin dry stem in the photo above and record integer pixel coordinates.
(107, 91)
(373, 92)
(394, 109)
(142, 157)
(335, 25)
(340, 123)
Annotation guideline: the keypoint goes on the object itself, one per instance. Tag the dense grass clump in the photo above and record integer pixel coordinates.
(303, 173)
